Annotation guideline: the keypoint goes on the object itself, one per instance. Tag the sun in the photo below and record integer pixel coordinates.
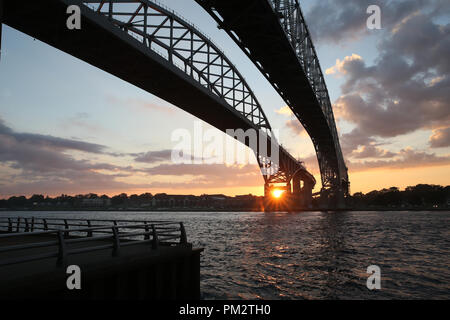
(277, 193)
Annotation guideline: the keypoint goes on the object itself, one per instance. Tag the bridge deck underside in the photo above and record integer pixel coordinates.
(259, 31)
(115, 53)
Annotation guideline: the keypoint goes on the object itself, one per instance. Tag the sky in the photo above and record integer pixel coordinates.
(67, 127)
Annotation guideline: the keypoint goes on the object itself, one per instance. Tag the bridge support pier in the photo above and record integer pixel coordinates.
(301, 192)
(297, 196)
(332, 200)
(272, 204)
(307, 195)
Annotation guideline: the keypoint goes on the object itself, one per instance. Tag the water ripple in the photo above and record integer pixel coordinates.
(314, 255)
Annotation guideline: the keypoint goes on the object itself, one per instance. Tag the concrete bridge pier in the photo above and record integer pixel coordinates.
(297, 195)
(269, 204)
(302, 192)
(272, 204)
(307, 194)
(332, 200)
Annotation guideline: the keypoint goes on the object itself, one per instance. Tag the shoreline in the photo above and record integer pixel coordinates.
(217, 210)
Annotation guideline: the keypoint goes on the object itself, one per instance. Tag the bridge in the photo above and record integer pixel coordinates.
(151, 47)
(274, 35)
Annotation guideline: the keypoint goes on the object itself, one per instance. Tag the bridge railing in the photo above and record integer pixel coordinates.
(60, 238)
(179, 42)
(175, 39)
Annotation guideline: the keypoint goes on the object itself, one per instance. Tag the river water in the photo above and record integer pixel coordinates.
(311, 255)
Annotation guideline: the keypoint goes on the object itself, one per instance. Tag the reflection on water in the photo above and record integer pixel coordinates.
(314, 255)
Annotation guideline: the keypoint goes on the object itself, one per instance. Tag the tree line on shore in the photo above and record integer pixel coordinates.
(421, 195)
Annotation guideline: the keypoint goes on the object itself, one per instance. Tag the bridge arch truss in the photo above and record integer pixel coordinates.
(181, 44)
(275, 36)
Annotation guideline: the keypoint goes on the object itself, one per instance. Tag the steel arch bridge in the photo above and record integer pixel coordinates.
(136, 40)
(274, 35)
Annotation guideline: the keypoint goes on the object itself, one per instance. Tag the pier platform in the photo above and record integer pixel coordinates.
(118, 259)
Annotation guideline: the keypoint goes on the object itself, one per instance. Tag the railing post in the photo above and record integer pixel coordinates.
(32, 224)
(66, 227)
(110, 10)
(147, 236)
(26, 225)
(116, 241)
(89, 233)
(155, 242)
(45, 224)
(183, 237)
(62, 251)
(9, 225)
(18, 224)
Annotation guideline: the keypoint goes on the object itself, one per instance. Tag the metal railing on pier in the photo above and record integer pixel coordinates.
(59, 236)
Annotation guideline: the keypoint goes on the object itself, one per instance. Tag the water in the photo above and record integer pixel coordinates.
(312, 255)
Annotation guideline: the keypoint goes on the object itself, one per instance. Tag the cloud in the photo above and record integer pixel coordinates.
(210, 170)
(209, 175)
(345, 20)
(406, 88)
(343, 66)
(440, 138)
(296, 127)
(293, 124)
(405, 159)
(370, 151)
(353, 140)
(151, 157)
(154, 156)
(286, 111)
(47, 141)
(35, 163)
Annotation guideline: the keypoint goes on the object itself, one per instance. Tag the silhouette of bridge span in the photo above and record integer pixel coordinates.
(274, 35)
(151, 47)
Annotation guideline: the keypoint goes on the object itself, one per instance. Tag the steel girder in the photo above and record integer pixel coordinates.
(296, 29)
(184, 46)
(247, 24)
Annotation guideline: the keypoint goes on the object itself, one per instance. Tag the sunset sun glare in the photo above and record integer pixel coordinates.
(277, 193)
